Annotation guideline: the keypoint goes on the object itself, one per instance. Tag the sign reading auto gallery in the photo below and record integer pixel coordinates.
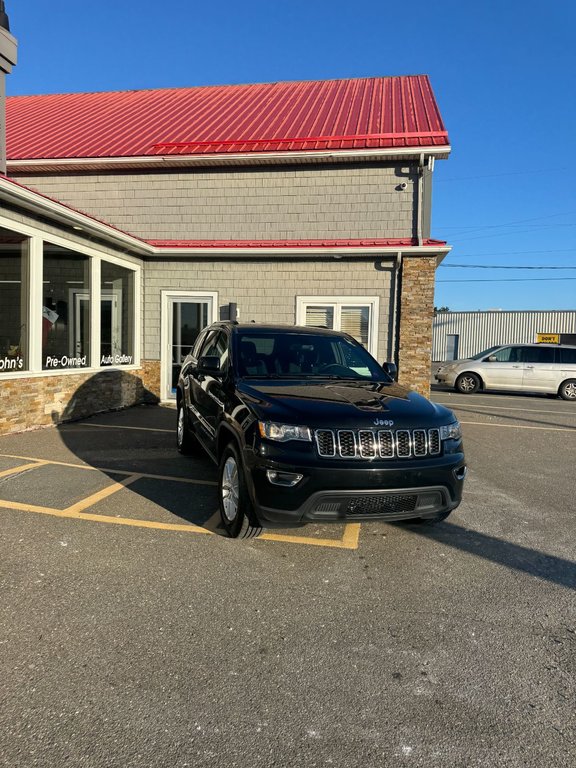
(116, 360)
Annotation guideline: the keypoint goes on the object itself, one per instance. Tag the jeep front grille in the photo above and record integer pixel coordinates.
(382, 443)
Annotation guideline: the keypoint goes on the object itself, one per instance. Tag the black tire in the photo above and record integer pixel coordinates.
(567, 390)
(239, 522)
(467, 383)
(185, 440)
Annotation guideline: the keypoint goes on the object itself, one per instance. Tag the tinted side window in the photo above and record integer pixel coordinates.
(217, 346)
(567, 355)
(198, 343)
(538, 355)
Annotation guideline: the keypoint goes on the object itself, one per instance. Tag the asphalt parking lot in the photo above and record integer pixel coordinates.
(133, 634)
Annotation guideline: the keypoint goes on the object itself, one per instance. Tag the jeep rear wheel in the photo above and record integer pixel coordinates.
(236, 510)
(467, 383)
(185, 440)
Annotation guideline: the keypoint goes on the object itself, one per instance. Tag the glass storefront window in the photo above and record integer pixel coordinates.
(65, 309)
(116, 315)
(13, 302)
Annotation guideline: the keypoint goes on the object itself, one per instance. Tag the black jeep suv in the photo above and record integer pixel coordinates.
(305, 425)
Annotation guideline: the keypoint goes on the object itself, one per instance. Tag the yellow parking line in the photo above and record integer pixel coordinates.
(102, 518)
(22, 468)
(472, 406)
(519, 426)
(108, 470)
(349, 538)
(121, 426)
(89, 501)
(348, 541)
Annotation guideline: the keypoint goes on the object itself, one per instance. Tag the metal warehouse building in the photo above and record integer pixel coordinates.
(463, 334)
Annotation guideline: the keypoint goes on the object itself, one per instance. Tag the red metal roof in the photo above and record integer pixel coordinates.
(368, 113)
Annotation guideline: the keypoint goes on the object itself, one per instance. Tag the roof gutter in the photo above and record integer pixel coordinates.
(226, 158)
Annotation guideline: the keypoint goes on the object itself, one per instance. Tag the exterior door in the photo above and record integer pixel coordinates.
(184, 316)
(452, 346)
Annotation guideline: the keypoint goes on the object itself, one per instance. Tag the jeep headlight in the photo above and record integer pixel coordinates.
(284, 432)
(451, 431)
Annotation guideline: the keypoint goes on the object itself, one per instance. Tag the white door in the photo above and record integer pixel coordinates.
(110, 325)
(184, 314)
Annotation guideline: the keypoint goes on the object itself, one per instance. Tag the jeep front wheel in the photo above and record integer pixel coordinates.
(467, 383)
(236, 511)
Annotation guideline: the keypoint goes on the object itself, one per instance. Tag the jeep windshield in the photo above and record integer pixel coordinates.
(285, 354)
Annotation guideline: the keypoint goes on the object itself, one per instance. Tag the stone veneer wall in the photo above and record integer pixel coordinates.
(416, 314)
(42, 401)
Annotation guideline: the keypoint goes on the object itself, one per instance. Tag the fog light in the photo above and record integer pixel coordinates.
(429, 500)
(287, 479)
(461, 472)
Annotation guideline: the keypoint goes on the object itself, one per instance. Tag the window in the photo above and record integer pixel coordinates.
(116, 315)
(65, 309)
(568, 355)
(538, 354)
(357, 316)
(508, 355)
(217, 346)
(309, 355)
(13, 301)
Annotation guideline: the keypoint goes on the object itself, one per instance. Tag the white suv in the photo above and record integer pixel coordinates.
(546, 368)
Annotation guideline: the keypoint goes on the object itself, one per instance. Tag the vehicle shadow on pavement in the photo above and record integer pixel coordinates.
(514, 556)
(137, 446)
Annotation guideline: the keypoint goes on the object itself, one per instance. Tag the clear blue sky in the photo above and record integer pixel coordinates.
(504, 75)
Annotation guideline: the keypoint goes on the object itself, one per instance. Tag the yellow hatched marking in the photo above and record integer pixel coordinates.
(107, 470)
(349, 538)
(22, 468)
(102, 518)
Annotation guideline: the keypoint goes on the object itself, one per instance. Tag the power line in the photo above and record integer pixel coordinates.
(569, 251)
(510, 223)
(498, 175)
(499, 266)
(509, 280)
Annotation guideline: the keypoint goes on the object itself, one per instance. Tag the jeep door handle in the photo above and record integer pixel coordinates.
(529, 366)
(515, 366)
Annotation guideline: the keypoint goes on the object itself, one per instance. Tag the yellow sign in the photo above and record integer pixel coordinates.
(547, 338)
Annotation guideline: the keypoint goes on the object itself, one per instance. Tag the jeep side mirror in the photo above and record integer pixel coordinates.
(391, 369)
(208, 365)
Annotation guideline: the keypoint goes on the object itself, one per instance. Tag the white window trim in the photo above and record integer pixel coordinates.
(165, 323)
(344, 301)
(37, 238)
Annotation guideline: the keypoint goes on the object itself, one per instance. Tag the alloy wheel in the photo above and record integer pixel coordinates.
(230, 489)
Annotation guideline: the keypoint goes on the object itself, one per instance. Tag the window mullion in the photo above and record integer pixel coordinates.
(95, 312)
(36, 300)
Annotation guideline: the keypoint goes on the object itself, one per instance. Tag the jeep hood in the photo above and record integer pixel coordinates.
(341, 404)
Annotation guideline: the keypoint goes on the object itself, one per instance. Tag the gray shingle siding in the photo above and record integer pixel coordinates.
(336, 201)
(266, 291)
